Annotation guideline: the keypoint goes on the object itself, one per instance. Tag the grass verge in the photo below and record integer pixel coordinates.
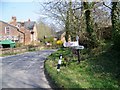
(100, 70)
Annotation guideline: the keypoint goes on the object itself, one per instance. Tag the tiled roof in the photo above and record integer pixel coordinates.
(29, 25)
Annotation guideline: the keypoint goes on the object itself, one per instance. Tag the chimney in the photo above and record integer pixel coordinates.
(29, 20)
(13, 18)
(13, 21)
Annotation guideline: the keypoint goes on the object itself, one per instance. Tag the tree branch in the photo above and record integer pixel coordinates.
(106, 5)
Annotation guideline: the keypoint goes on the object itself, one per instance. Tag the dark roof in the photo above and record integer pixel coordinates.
(29, 25)
(60, 32)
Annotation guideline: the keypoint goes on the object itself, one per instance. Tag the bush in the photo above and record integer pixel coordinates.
(18, 44)
(93, 72)
(117, 42)
(31, 48)
(59, 42)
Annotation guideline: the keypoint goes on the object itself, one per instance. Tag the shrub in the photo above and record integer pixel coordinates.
(59, 42)
(18, 44)
(31, 48)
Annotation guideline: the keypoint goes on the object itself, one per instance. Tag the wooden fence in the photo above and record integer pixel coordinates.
(18, 50)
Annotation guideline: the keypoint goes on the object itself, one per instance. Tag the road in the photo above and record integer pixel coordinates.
(24, 70)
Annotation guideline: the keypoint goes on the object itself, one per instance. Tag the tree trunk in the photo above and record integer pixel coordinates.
(115, 24)
(89, 25)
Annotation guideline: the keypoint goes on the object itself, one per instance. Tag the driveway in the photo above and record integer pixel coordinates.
(24, 70)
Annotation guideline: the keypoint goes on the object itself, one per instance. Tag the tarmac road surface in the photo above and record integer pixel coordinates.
(24, 70)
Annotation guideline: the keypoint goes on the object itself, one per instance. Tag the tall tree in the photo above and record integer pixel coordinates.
(115, 24)
(64, 11)
(67, 27)
(72, 21)
(88, 7)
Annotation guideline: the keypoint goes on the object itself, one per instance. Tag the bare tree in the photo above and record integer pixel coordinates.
(78, 17)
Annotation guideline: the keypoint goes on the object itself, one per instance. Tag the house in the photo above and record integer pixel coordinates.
(22, 32)
(61, 36)
(8, 31)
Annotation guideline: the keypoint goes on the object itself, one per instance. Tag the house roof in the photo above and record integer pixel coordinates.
(29, 25)
(8, 24)
(59, 33)
(12, 26)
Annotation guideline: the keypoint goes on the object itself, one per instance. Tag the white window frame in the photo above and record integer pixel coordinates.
(7, 32)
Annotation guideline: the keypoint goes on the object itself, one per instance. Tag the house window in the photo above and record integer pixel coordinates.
(18, 25)
(7, 30)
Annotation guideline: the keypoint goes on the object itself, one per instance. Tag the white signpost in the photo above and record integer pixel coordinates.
(79, 47)
(74, 45)
(70, 44)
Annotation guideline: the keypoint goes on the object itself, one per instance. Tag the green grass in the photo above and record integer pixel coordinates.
(14, 53)
(8, 54)
(100, 70)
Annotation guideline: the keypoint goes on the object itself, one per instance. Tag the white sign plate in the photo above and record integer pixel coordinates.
(79, 47)
(70, 44)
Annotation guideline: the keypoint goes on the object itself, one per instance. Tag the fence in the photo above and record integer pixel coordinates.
(18, 50)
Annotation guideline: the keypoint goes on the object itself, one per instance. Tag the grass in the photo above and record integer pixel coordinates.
(14, 53)
(8, 54)
(98, 70)
(30, 49)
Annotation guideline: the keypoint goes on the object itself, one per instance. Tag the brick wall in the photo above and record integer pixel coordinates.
(16, 35)
(13, 33)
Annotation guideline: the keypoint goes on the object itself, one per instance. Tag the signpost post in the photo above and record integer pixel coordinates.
(78, 51)
(76, 46)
